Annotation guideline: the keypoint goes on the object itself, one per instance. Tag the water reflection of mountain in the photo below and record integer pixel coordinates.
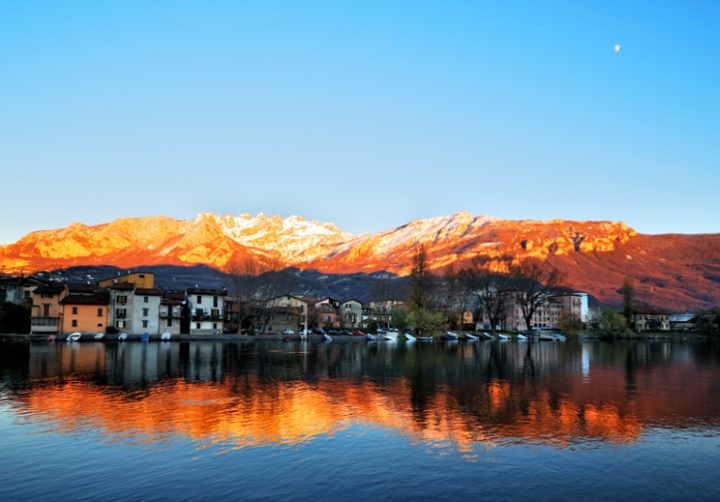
(284, 393)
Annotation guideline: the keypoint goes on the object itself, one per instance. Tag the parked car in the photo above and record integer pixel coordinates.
(333, 332)
(288, 331)
(318, 331)
(358, 333)
(345, 332)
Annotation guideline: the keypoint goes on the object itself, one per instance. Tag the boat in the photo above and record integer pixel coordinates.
(470, 337)
(521, 337)
(145, 337)
(371, 338)
(122, 337)
(51, 338)
(409, 338)
(450, 337)
(425, 339)
(390, 336)
(165, 337)
(488, 336)
(99, 337)
(327, 337)
(546, 337)
(559, 337)
(503, 337)
(74, 337)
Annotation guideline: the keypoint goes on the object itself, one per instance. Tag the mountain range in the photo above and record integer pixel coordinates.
(671, 271)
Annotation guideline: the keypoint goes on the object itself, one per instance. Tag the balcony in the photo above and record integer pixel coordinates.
(44, 324)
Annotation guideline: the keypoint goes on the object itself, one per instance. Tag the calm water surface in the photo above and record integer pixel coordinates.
(358, 421)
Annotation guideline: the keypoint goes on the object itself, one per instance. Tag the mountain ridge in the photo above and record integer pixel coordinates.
(673, 270)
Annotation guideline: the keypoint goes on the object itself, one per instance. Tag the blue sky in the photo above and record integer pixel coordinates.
(365, 114)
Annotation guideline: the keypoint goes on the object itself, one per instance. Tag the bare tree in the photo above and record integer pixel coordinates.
(489, 280)
(452, 295)
(533, 282)
(254, 280)
(422, 282)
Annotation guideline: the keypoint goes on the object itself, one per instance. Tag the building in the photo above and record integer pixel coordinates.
(286, 312)
(84, 309)
(172, 313)
(18, 289)
(140, 279)
(205, 308)
(651, 321)
(351, 313)
(46, 312)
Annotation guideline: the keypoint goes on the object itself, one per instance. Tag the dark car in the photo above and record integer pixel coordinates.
(345, 332)
(333, 332)
(318, 331)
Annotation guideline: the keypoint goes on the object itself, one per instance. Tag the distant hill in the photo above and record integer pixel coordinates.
(679, 272)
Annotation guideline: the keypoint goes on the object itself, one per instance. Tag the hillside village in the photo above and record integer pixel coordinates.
(132, 304)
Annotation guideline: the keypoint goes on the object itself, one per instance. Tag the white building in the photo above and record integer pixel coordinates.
(206, 310)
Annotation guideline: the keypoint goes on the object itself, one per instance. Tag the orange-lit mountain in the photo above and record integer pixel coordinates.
(673, 271)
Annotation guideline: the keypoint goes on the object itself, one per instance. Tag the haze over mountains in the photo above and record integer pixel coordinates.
(679, 272)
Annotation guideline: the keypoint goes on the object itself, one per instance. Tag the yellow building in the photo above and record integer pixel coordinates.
(140, 279)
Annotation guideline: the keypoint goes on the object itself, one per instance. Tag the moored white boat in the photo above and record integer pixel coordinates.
(99, 336)
(371, 338)
(488, 336)
(450, 337)
(521, 337)
(165, 337)
(425, 339)
(502, 336)
(122, 337)
(327, 337)
(409, 338)
(470, 337)
(74, 337)
(390, 336)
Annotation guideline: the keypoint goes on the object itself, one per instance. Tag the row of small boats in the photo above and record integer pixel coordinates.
(77, 336)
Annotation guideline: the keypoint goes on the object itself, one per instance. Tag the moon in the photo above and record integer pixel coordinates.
(617, 47)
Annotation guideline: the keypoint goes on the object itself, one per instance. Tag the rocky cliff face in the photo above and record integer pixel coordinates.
(674, 271)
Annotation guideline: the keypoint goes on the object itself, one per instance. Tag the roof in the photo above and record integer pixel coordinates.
(148, 292)
(82, 288)
(51, 288)
(123, 286)
(175, 295)
(94, 299)
(206, 291)
(682, 317)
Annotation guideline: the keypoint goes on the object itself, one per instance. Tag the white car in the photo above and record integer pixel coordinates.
(288, 331)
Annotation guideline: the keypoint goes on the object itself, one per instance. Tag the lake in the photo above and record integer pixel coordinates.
(590, 420)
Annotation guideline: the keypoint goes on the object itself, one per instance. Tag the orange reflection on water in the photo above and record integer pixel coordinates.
(293, 412)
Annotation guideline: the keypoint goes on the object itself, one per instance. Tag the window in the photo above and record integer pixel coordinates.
(146, 299)
(27, 294)
(142, 276)
(74, 323)
(199, 299)
(74, 310)
(120, 313)
(100, 312)
(121, 299)
(120, 324)
(197, 325)
(47, 295)
(215, 301)
(145, 312)
(169, 323)
(145, 324)
(214, 325)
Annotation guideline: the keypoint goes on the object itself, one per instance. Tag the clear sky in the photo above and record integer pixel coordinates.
(365, 114)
